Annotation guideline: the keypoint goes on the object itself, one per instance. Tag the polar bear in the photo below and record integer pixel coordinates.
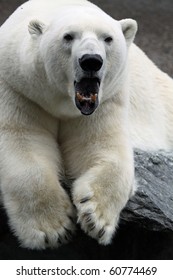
(76, 96)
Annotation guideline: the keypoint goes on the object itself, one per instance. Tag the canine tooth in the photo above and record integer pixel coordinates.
(79, 96)
(94, 97)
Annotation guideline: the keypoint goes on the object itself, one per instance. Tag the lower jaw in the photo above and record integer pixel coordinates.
(86, 107)
(87, 111)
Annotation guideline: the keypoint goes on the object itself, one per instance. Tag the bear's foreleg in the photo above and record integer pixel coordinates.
(100, 194)
(105, 178)
(39, 210)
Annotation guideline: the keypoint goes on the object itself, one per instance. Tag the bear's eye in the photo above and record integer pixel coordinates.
(68, 38)
(108, 39)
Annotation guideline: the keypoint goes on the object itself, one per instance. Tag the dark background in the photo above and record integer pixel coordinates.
(155, 21)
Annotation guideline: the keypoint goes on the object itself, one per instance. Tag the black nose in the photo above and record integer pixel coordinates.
(91, 62)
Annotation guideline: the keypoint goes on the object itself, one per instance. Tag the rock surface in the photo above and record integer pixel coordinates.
(152, 205)
(146, 226)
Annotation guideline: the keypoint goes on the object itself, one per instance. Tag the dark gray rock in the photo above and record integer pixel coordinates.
(152, 205)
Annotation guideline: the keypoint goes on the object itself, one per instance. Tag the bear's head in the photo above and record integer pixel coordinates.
(84, 55)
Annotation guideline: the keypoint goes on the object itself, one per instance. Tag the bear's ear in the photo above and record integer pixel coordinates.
(36, 28)
(129, 29)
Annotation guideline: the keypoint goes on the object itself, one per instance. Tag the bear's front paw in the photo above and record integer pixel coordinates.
(97, 215)
(47, 224)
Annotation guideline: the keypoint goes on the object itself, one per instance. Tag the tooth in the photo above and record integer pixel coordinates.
(94, 97)
(79, 96)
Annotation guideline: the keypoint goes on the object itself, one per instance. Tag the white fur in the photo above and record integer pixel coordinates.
(44, 137)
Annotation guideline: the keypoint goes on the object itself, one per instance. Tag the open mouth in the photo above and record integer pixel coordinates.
(86, 95)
